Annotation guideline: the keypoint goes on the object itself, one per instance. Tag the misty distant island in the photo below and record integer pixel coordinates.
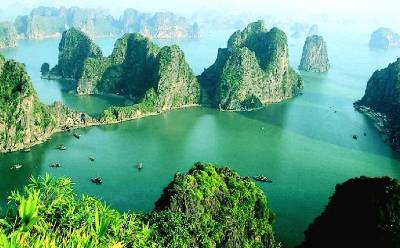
(50, 22)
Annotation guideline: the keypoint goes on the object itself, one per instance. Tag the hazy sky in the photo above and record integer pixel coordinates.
(384, 11)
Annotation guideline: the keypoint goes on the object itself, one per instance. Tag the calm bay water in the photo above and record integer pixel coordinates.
(302, 144)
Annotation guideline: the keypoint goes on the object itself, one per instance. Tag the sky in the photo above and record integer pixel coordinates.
(383, 11)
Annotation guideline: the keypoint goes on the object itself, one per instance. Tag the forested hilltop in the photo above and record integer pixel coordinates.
(24, 121)
(47, 22)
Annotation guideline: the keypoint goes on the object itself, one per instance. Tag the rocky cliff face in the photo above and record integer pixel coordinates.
(384, 38)
(363, 212)
(75, 47)
(253, 69)
(140, 70)
(381, 101)
(8, 35)
(315, 55)
(24, 121)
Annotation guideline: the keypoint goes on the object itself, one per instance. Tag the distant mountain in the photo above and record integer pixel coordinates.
(48, 22)
(384, 38)
(315, 55)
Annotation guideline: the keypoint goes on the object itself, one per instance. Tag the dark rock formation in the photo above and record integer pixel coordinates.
(384, 38)
(8, 35)
(315, 55)
(24, 121)
(75, 47)
(253, 70)
(363, 212)
(382, 101)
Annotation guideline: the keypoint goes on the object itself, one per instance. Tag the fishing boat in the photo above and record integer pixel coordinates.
(355, 137)
(92, 159)
(77, 135)
(55, 165)
(27, 150)
(262, 179)
(96, 180)
(16, 167)
(139, 166)
(62, 147)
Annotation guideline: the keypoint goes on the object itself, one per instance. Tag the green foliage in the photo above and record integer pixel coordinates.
(75, 47)
(207, 207)
(17, 102)
(213, 207)
(49, 212)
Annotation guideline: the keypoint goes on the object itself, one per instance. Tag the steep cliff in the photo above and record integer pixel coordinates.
(363, 212)
(8, 35)
(140, 70)
(381, 101)
(315, 55)
(24, 121)
(384, 38)
(253, 70)
(74, 48)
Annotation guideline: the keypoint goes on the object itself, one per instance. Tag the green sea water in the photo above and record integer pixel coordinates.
(302, 144)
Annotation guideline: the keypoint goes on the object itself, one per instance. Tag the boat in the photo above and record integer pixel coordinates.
(139, 166)
(355, 137)
(96, 180)
(92, 159)
(27, 150)
(55, 165)
(77, 135)
(16, 167)
(262, 179)
(62, 147)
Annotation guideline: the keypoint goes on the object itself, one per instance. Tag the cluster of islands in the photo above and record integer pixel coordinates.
(208, 206)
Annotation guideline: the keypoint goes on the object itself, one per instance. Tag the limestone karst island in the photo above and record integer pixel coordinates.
(204, 124)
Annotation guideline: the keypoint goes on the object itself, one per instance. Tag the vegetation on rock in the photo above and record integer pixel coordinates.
(253, 69)
(139, 69)
(24, 121)
(382, 95)
(207, 207)
(8, 35)
(315, 55)
(363, 212)
(74, 48)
